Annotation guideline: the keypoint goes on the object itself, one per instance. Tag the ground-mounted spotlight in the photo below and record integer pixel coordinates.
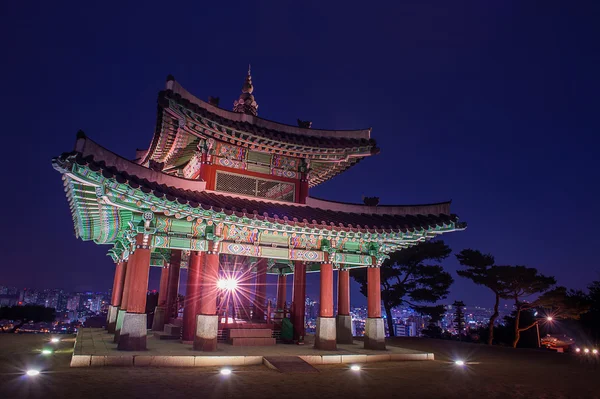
(586, 350)
(55, 340)
(595, 351)
(355, 367)
(32, 372)
(46, 352)
(225, 371)
(459, 362)
(577, 350)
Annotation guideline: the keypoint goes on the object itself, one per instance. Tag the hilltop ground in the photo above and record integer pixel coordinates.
(491, 372)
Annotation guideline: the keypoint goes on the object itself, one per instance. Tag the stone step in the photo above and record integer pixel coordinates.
(253, 341)
(288, 364)
(177, 322)
(172, 329)
(250, 333)
(162, 335)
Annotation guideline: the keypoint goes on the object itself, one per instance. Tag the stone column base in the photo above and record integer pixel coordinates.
(133, 332)
(325, 335)
(111, 320)
(374, 334)
(207, 328)
(119, 324)
(343, 329)
(158, 323)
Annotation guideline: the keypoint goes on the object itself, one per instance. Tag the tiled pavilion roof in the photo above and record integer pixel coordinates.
(357, 218)
(182, 119)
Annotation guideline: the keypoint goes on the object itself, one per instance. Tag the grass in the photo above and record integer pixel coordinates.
(490, 372)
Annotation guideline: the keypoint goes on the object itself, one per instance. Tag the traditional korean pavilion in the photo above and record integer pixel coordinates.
(225, 194)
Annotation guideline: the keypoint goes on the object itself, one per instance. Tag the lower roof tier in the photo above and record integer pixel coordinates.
(108, 195)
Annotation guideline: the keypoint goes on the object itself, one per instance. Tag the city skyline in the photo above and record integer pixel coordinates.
(271, 294)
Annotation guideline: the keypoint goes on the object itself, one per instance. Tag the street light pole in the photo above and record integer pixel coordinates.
(537, 327)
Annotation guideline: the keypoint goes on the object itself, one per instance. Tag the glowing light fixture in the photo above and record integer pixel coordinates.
(595, 351)
(225, 371)
(46, 351)
(32, 372)
(355, 367)
(55, 340)
(549, 318)
(586, 350)
(577, 350)
(228, 284)
(459, 363)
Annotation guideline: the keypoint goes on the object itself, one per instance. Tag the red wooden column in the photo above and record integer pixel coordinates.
(117, 293)
(163, 285)
(326, 299)
(192, 296)
(207, 321)
(344, 292)
(299, 300)
(246, 288)
(373, 292)
(374, 330)
(158, 323)
(119, 280)
(124, 296)
(127, 283)
(173, 285)
(260, 290)
(132, 335)
(281, 292)
(208, 304)
(207, 172)
(343, 327)
(325, 334)
(140, 271)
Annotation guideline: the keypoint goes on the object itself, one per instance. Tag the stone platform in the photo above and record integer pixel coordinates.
(94, 347)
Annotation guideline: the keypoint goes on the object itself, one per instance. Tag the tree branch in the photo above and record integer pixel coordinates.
(528, 327)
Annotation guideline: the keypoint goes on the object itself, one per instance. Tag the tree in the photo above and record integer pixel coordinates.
(481, 269)
(523, 282)
(560, 303)
(409, 277)
(459, 318)
(435, 313)
(24, 314)
(591, 318)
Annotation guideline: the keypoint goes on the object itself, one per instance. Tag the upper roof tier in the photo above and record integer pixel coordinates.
(183, 120)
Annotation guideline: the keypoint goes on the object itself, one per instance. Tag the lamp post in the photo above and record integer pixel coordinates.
(537, 326)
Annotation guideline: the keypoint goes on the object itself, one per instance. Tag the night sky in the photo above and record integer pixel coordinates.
(493, 105)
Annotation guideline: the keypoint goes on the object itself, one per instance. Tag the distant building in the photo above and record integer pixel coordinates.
(73, 303)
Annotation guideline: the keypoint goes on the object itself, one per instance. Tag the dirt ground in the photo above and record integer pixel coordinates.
(489, 373)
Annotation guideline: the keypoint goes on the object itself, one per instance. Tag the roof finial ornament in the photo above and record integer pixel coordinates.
(246, 103)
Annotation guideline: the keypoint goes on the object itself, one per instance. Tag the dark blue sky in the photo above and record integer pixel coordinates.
(491, 104)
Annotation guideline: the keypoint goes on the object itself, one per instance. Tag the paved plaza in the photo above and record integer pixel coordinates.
(95, 347)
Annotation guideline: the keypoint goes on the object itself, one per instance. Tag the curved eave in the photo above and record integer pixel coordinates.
(413, 209)
(237, 117)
